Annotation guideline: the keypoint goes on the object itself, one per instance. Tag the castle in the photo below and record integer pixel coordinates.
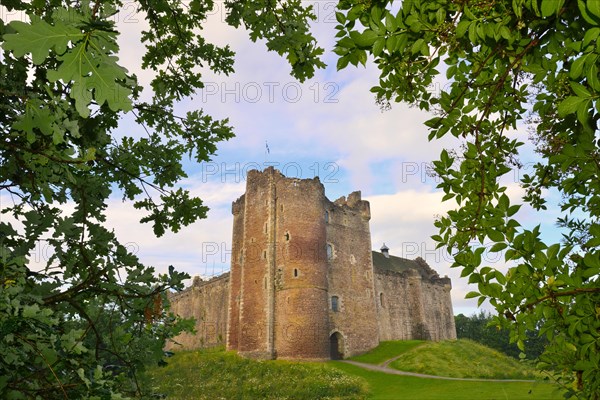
(305, 284)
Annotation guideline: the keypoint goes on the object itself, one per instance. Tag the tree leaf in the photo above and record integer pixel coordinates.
(589, 17)
(498, 247)
(366, 38)
(594, 7)
(570, 105)
(580, 90)
(390, 23)
(417, 45)
(550, 7)
(592, 77)
(495, 235)
(378, 46)
(577, 67)
(462, 28)
(38, 38)
(342, 62)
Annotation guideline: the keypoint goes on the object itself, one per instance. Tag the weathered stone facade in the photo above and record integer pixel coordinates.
(207, 302)
(304, 283)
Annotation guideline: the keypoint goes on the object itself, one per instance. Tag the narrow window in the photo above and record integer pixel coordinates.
(381, 299)
(287, 236)
(265, 227)
(329, 251)
(326, 216)
(334, 303)
(264, 254)
(295, 273)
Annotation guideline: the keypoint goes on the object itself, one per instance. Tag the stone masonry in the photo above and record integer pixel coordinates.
(305, 284)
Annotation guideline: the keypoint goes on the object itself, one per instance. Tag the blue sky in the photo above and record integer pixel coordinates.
(328, 126)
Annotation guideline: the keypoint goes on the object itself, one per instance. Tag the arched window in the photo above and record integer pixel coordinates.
(335, 303)
(329, 251)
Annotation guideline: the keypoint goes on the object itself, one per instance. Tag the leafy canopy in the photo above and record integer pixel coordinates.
(83, 322)
(507, 62)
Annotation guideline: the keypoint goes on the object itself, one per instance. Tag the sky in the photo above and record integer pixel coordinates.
(328, 127)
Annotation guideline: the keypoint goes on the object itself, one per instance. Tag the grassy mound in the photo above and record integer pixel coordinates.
(224, 375)
(462, 359)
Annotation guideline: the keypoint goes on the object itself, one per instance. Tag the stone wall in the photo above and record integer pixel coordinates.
(350, 277)
(413, 306)
(439, 316)
(207, 302)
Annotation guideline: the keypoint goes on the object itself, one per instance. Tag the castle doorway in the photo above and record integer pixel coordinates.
(336, 346)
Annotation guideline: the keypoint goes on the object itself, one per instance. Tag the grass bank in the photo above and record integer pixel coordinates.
(463, 359)
(224, 375)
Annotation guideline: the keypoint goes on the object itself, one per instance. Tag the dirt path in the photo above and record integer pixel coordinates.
(388, 362)
(386, 370)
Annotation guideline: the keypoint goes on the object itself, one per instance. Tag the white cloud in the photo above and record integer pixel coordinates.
(330, 118)
(201, 248)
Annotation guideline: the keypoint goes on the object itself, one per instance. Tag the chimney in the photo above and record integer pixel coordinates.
(385, 251)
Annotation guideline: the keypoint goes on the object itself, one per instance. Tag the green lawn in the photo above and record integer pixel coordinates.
(224, 375)
(394, 387)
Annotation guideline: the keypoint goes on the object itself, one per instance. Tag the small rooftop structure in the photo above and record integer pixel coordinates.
(385, 251)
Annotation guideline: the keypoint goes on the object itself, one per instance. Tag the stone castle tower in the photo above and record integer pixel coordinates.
(293, 252)
(305, 284)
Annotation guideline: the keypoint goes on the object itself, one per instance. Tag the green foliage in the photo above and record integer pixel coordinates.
(284, 26)
(85, 321)
(225, 375)
(506, 62)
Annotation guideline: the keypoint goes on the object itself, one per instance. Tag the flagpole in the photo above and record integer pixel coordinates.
(267, 152)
